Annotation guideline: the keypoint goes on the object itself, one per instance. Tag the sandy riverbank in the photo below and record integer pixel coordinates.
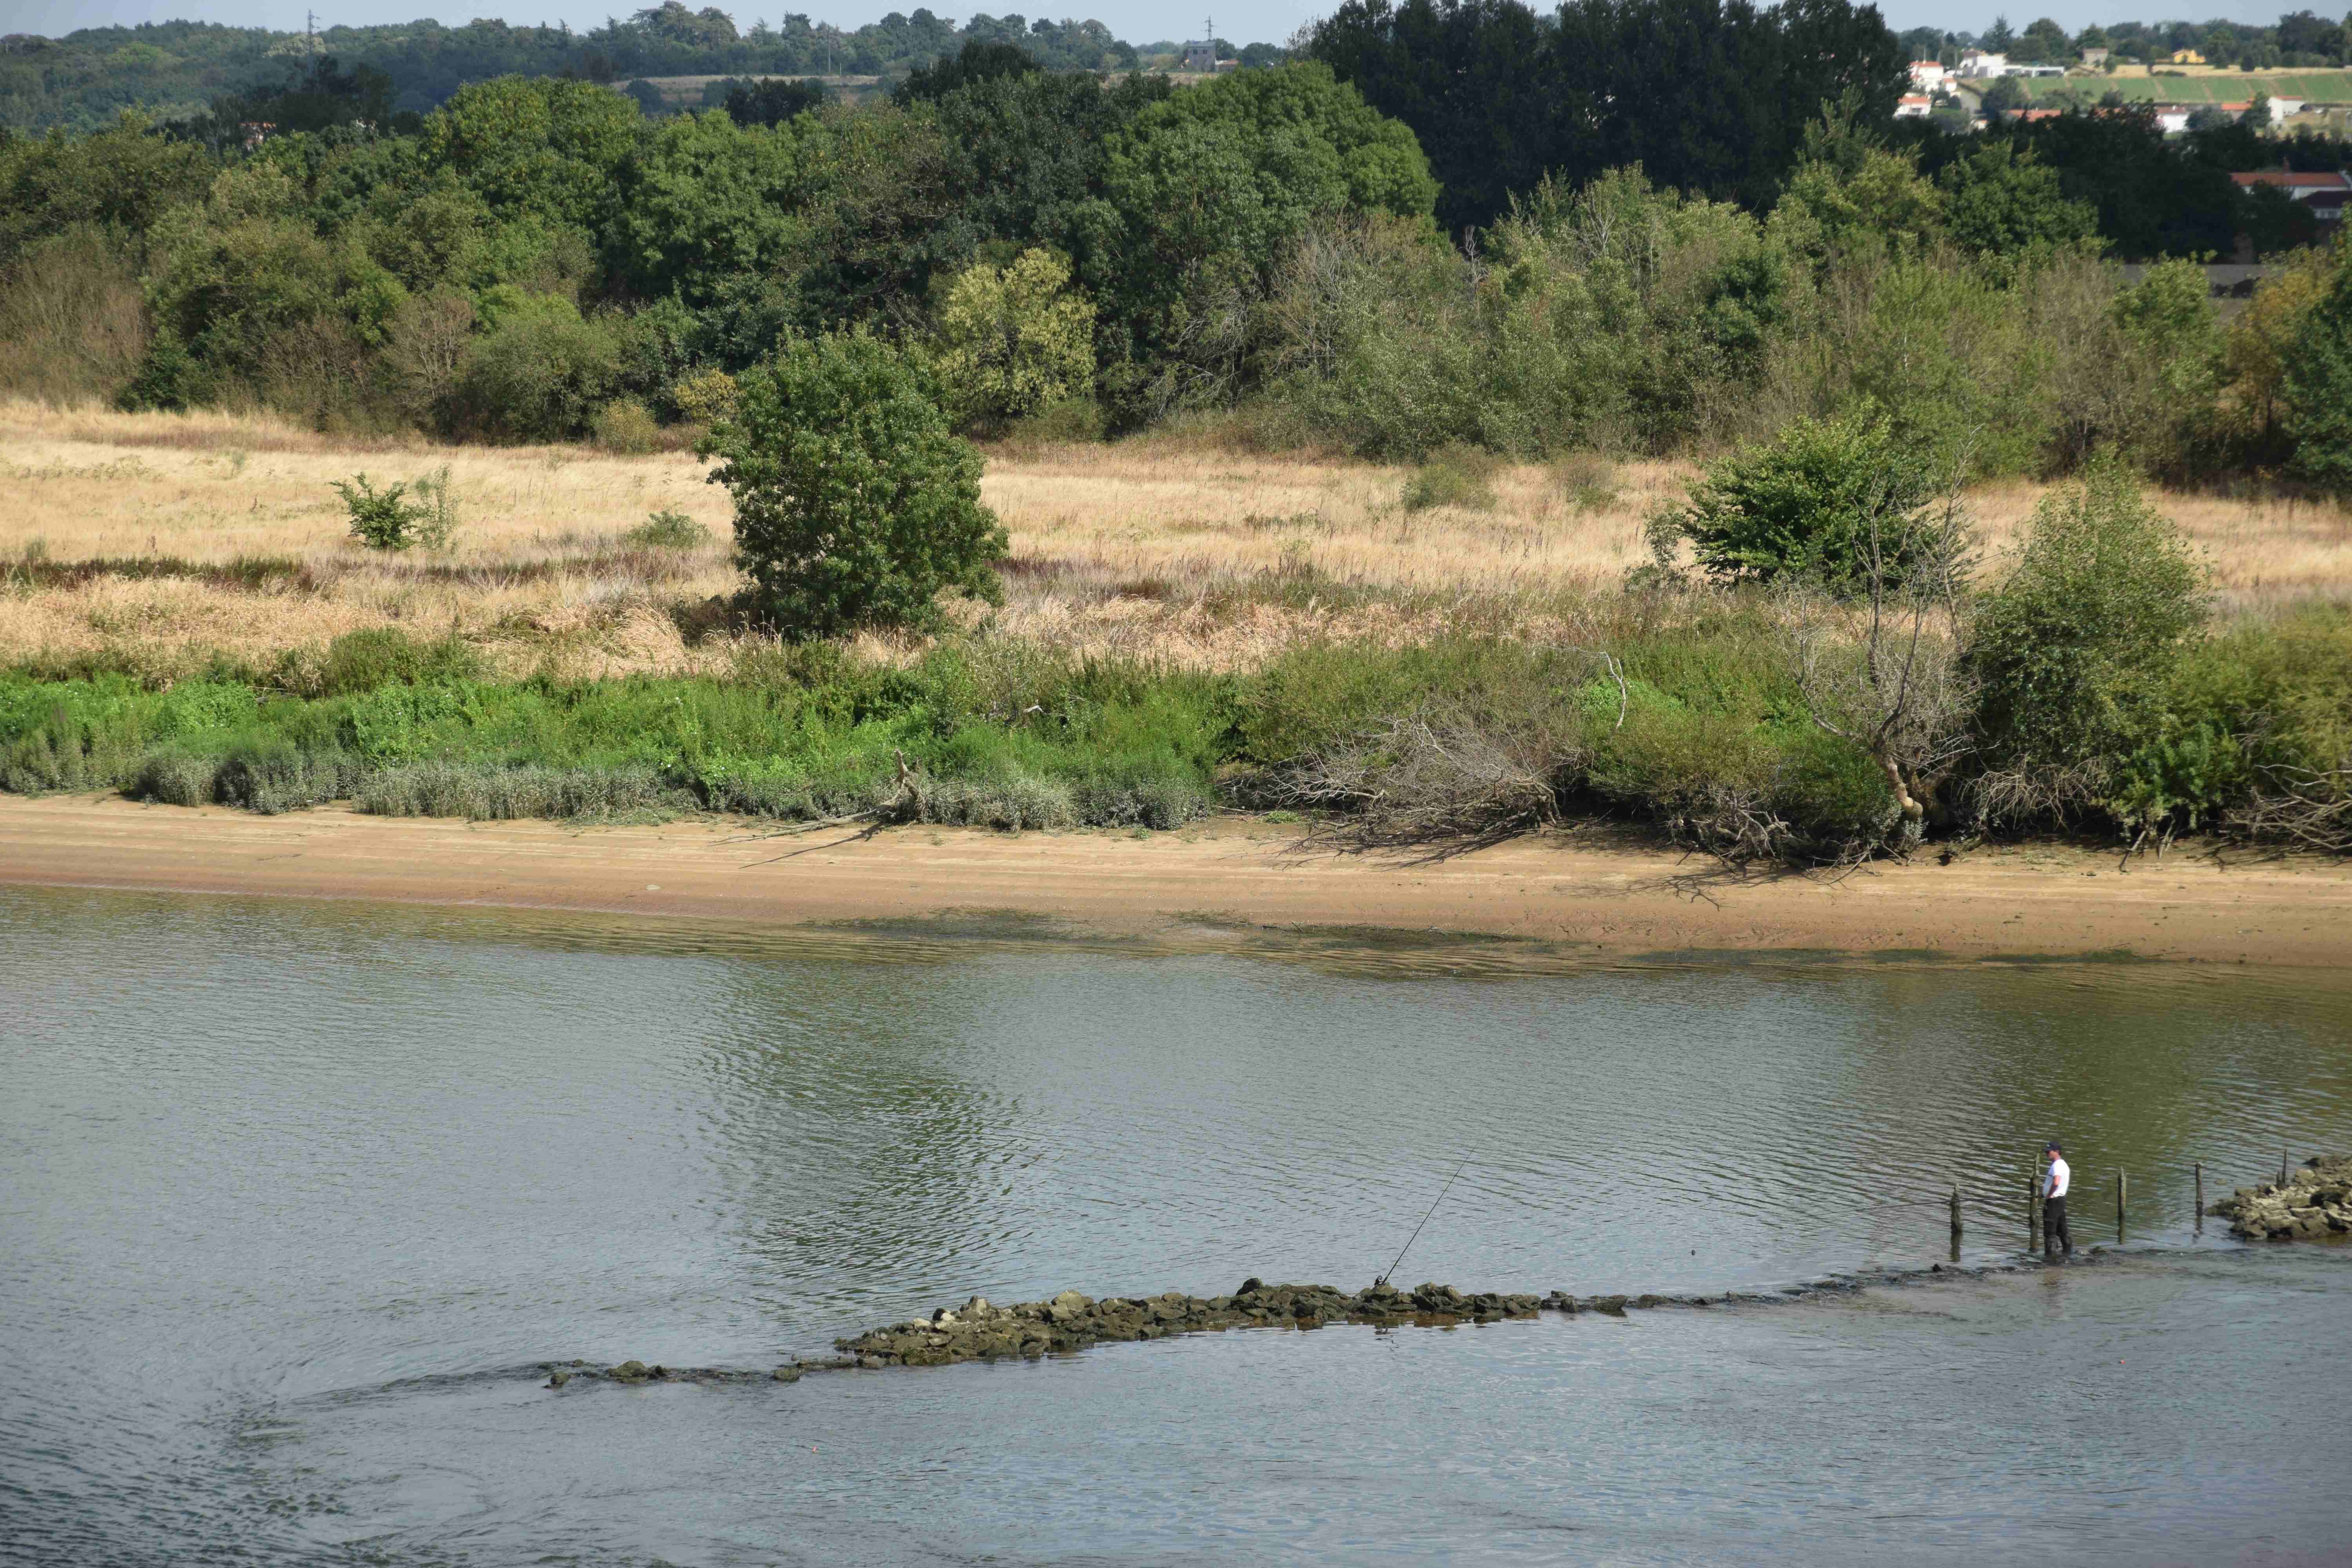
(2036, 900)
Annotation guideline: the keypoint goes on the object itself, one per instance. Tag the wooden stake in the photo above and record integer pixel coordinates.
(2033, 1211)
(1955, 1225)
(2123, 1186)
(2201, 1195)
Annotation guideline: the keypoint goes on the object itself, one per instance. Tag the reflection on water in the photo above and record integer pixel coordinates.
(279, 1183)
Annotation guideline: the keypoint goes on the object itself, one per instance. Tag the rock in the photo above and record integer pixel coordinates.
(558, 1378)
(786, 1375)
(2314, 1202)
(1250, 1286)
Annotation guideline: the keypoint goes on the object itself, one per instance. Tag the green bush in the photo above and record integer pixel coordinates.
(668, 530)
(362, 661)
(1822, 503)
(2076, 653)
(540, 374)
(624, 425)
(854, 503)
(1457, 477)
(380, 520)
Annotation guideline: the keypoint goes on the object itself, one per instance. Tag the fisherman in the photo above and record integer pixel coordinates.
(2056, 1238)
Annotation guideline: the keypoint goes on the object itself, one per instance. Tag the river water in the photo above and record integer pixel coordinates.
(293, 1195)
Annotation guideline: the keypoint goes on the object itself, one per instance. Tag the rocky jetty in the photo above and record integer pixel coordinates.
(979, 1331)
(1071, 1322)
(2314, 1202)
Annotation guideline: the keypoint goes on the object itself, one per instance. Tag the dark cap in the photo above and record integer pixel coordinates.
(2053, 1147)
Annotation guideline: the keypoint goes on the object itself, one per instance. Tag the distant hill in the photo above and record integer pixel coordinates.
(174, 69)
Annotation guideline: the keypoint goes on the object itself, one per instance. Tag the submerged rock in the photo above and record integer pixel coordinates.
(2315, 1203)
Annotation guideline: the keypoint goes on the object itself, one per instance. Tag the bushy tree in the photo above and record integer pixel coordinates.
(1205, 191)
(549, 149)
(703, 199)
(854, 503)
(2072, 654)
(540, 374)
(1999, 201)
(1834, 503)
(1013, 338)
(2316, 382)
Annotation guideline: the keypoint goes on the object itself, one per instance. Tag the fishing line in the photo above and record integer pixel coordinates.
(1424, 1221)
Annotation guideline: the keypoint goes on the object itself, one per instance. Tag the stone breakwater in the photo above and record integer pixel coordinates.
(979, 1331)
(1072, 1322)
(2316, 1202)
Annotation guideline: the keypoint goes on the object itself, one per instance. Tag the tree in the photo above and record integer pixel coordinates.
(544, 149)
(773, 101)
(2005, 94)
(1998, 201)
(1998, 40)
(854, 504)
(1014, 339)
(981, 61)
(1895, 687)
(2044, 41)
(1853, 197)
(2072, 652)
(1473, 78)
(1836, 504)
(1204, 191)
(2316, 382)
(705, 198)
(2268, 333)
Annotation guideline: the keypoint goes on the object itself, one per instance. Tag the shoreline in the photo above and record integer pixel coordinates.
(2029, 901)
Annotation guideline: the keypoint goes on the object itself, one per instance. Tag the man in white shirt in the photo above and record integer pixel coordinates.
(2056, 1238)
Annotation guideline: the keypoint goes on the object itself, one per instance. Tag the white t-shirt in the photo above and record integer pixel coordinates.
(2054, 1184)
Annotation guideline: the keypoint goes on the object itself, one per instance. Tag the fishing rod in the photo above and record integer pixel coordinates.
(1424, 1221)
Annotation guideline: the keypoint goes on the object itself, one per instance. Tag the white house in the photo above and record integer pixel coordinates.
(1977, 65)
(1928, 75)
(1913, 106)
(2173, 119)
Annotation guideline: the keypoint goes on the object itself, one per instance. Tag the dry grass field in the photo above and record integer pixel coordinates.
(1151, 548)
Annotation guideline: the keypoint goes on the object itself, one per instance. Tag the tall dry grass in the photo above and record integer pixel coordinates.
(1195, 554)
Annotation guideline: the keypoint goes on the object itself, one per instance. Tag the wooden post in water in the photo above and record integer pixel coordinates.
(2201, 1196)
(2032, 1212)
(2123, 1186)
(1955, 1225)
(2283, 1158)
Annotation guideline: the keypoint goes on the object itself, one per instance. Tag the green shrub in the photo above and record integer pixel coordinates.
(380, 520)
(1822, 503)
(1457, 477)
(703, 396)
(624, 426)
(854, 504)
(362, 661)
(540, 374)
(668, 530)
(2075, 654)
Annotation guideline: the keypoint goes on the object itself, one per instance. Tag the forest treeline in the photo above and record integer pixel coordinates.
(1083, 254)
(176, 70)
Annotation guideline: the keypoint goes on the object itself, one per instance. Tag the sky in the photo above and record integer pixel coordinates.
(1270, 21)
